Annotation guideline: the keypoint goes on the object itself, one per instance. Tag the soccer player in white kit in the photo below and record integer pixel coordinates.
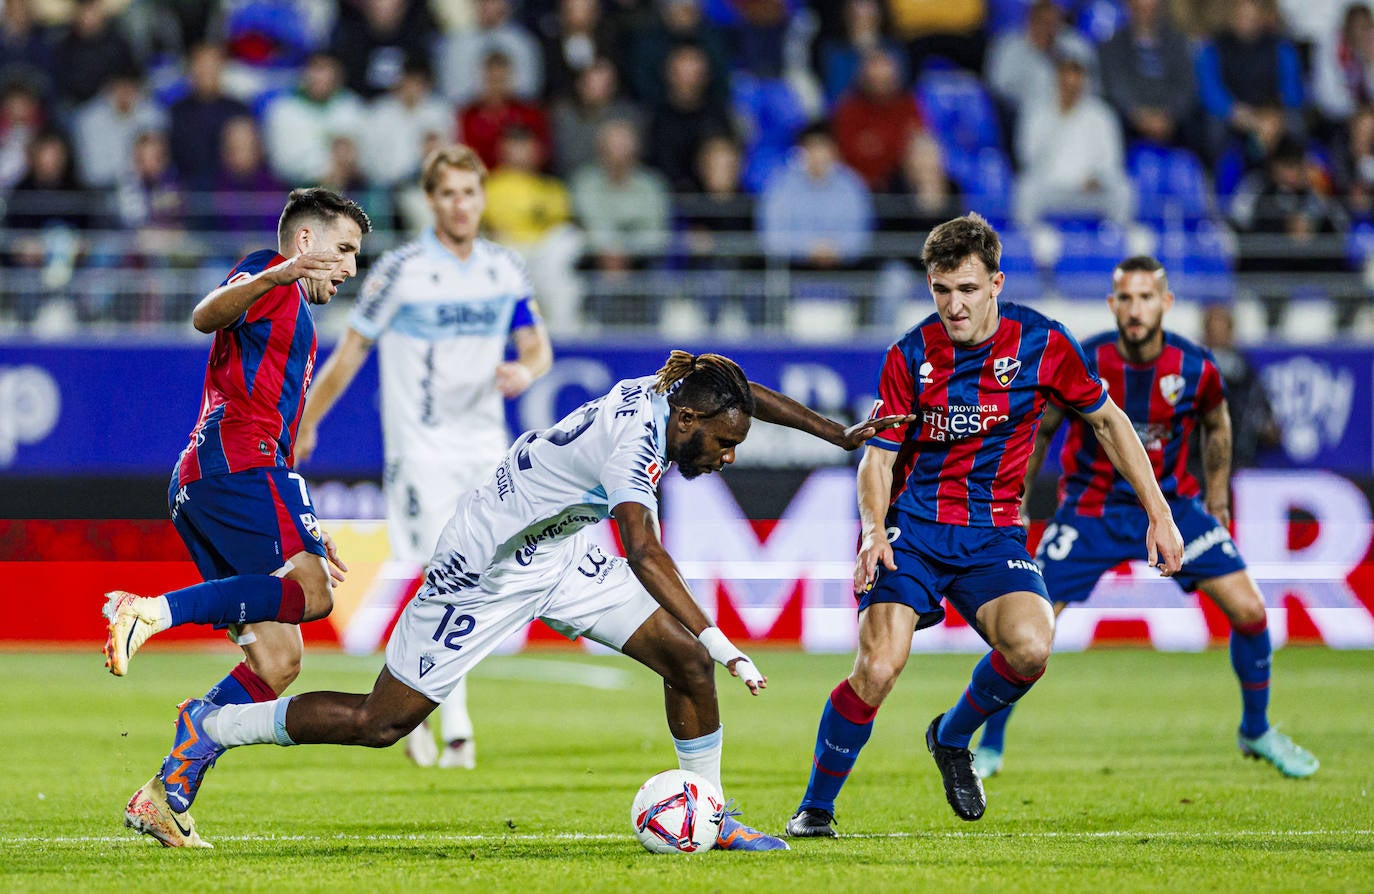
(441, 310)
(515, 550)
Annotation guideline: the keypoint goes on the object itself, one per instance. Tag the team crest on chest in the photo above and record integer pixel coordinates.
(1004, 369)
(1171, 387)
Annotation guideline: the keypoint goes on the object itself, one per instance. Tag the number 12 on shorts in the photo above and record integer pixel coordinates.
(462, 626)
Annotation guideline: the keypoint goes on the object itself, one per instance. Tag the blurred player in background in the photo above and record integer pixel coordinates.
(515, 551)
(245, 517)
(1167, 385)
(939, 505)
(441, 310)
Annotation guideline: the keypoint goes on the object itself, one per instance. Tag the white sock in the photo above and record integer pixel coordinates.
(164, 612)
(701, 755)
(454, 722)
(261, 723)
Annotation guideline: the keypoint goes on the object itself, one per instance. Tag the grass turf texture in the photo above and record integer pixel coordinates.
(1122, 774)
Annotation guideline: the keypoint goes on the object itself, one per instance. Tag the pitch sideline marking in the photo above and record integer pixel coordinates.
(582, 836)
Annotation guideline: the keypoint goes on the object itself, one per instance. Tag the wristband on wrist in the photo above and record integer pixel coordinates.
(718, 645)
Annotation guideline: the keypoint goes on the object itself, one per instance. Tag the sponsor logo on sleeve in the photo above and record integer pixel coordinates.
(311, 524)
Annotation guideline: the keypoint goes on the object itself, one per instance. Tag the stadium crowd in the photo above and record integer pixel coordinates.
(698, 149)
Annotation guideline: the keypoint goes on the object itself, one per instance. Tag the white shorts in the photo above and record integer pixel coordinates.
(421, 496)
(577, 589)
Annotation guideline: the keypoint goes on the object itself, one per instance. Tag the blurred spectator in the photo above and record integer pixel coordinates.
(344, 175)
(26, 49)
(623, 207)
(841, 56)
(52, 210)
(755, 30)
(462, 55)
(1253, 424)
(496, 108)
(300, 125)
(875, 121)
(21, 117)
(954, 30)
(1282, 219)
(1070, 151)
(815, 213)
(90, 52)
(530, 212)
(686, 117)
(680, 22)
(105, 128)
(376, 37)
(1147, 74)
(718, 229)
(247, 196)
(577, 39)
(1245, 67)
(1345, 80)
(151, 210)
(1021, 63)
(198, 118)
(149, 194)
(577, 120)
(268, 41)
(924, 195)
(1352, 164)
(399, 122)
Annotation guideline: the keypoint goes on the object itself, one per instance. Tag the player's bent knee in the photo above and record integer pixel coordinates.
(1029, 658)
(317, 604)
(691, 670)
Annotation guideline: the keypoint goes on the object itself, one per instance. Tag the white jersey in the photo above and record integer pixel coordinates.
(441, 325)
(552, 484)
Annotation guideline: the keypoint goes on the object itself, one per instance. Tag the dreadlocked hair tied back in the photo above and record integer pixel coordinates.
(708, 383)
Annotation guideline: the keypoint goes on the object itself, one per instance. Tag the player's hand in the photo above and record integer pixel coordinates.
(743, 668)
(1221, 511)
(857, 434)
(336, 565)
(312, 265)
(512, 379)
(1164, 546)
(307, 436)
(873, 550)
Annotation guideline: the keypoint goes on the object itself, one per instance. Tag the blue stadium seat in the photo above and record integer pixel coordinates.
(1171, 185)
(1017, 260)
(1199, 260)
(1084, 268)
(1359, 245)
(1100, 19)
(959, 111)
(987, 182)
(771, 115)
(1007, 15)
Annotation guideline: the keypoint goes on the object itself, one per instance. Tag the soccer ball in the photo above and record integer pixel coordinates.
(677, 812)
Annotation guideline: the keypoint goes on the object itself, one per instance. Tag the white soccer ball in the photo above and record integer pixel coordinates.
(677, 812)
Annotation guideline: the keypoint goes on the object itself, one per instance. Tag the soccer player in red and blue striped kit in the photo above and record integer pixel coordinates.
(244, 515)
(1168, 386)
(939, 506)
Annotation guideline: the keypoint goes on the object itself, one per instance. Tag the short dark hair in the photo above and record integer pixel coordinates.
(708, 383)
(1142, 264)
(954, 240)
(814, 130)
(318, 203)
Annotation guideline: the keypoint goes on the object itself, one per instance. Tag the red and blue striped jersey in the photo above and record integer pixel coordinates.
(963, 462)
(255, 382)
(1163, 399)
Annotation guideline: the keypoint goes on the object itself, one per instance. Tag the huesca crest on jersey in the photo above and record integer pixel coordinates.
(1004, 369)
(1171, 387)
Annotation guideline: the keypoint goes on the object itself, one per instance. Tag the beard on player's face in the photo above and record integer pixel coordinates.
(691, 455)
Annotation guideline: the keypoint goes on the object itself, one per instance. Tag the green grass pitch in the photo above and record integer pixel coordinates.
(1122, 775)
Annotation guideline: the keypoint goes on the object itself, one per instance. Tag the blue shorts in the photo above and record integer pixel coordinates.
(1077, 550)
(248, 522)
(968, 566)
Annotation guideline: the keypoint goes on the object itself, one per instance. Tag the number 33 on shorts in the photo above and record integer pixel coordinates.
(1057, 541)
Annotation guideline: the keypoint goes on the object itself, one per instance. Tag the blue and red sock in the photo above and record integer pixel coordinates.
(241, 687)
(846, 724)
(994, 686)
(1251, 656)
(244, 599)
(995, 730)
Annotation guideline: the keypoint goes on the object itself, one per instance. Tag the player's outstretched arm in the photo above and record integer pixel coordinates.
(875, 494)
(328, 386)
(1216, 461)
(659, 574)
(226, 304)
(779, 409)
(1117, 436)
(1054, 417)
